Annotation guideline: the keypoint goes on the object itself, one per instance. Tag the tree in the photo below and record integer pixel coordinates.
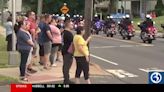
(159, 8)
(53, 6)
(112, 6)
(29, 5)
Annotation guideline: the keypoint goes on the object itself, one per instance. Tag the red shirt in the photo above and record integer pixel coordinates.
(33, 26)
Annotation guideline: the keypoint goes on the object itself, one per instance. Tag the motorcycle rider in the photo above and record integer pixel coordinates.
(96, 23)
(109, 21)
(126, 22)
(147, 23)
(120, 24)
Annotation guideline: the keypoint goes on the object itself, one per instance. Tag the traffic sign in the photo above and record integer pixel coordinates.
(64, 9)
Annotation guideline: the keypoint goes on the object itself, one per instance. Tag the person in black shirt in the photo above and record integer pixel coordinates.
(147, 23)
(126, 22)
(67, 57)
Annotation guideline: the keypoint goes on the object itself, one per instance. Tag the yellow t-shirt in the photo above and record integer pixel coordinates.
(79, 40)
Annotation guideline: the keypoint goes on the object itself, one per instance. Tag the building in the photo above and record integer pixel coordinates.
(134, 7)
(18, 5)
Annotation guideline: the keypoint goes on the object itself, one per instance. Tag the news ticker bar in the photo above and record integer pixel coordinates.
(82, 87)
(30, 87)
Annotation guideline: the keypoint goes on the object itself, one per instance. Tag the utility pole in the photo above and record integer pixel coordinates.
(13, 22)
(88, 17)
(13, 55)
(40, 7)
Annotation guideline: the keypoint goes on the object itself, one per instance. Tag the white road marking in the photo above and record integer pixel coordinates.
(102, 59)
(121, 73)
(127, 41)
(123, 46)
(127, 73)
(104, 47)
(151, 69)
(126, 45)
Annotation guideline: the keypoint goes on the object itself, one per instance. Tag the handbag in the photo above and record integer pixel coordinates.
(71, 48)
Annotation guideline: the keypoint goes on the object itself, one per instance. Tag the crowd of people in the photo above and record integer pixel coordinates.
(53, 36)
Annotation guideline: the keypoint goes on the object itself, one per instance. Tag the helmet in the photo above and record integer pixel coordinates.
(67, 15)
(123, 17)
(77, 15)
(61, 18)
(127, 16)
(81, 16)
(74, 16)
(148, 16)
(108, 17)
(111, 17)
(96, 15)
(57, 15)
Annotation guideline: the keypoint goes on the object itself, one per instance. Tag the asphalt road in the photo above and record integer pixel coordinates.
(128, 61)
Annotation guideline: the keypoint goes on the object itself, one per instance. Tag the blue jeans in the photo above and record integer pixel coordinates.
(24, 57)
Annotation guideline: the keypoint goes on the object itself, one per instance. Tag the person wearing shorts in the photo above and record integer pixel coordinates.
(57, 40)
(46, 38)
(40, 39)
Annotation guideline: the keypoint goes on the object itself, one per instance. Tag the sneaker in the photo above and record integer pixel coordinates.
(24, 78)
(53, 65)
(30, 70)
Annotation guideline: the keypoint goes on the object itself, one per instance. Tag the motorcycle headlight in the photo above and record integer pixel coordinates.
(154, 22)
(138, 23)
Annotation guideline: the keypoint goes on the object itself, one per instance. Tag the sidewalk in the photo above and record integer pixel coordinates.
(53, 75)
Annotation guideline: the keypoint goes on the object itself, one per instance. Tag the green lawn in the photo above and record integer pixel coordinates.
(7, 80)
(3, 52)
(158, 22)
(4, 63)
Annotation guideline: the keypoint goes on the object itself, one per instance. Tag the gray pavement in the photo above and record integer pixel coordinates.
(127, 60)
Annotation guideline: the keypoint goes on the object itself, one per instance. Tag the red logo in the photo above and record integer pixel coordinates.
(21, 88)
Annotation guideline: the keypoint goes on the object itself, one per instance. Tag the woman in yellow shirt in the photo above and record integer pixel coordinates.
(81, 55)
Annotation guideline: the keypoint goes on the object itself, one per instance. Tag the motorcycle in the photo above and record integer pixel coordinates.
(128, 32)
(111, 31)
(148, 35)
(97, 27)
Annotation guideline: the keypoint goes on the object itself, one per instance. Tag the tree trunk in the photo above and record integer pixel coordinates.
(112, 6)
